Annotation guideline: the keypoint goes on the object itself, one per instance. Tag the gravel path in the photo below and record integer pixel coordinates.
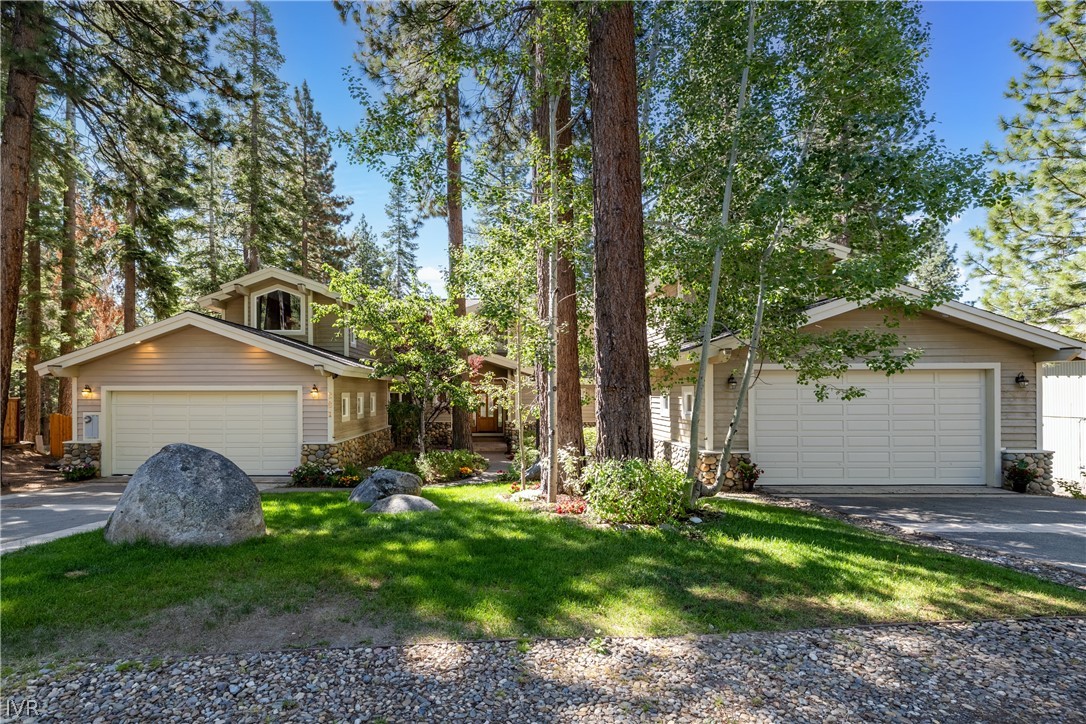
(1007, 671)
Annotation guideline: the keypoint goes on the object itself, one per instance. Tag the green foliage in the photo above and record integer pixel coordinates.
(403, 418)
(314, 475)
(1020, 476)
(1031, 255)
(1073, 488)
(75, 473)
(747, 474)
(401, 238)
(590, 436)
(403, 461)
(635, 491)
(439, 466)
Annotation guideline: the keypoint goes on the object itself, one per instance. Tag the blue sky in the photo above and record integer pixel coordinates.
(969, 66)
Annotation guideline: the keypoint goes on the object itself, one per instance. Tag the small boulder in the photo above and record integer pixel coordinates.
(187, 495)
(403, 504)
(383, 483)
(528, 494)
(534, 472)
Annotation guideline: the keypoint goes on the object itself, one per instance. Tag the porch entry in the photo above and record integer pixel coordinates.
(489, 415)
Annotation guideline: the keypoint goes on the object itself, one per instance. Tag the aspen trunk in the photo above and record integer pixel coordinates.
(622, 360)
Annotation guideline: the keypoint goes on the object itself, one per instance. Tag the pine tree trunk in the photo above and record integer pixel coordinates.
(569, 434)
(129, 300)
(69, 253)
(622, 362)
(15, 137)
(305, 203)
(251, 249)
(32, 426)
(212, 237)
(461, 420)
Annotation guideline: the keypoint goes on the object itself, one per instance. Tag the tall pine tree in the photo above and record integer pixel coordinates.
(401, 249)
(317, 212)
(1032, 255)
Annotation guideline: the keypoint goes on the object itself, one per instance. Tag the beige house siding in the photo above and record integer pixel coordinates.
(234, 310)
(198, 358)
(351, 386)
(941, 342)
(944, 341)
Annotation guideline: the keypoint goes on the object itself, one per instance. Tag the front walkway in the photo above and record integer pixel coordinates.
(1027, 671)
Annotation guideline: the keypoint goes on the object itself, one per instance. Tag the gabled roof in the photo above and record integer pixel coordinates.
(268, 341)
(241, 284)
(1050, 346)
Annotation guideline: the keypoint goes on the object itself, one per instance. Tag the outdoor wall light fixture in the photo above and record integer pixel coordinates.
(1021, 380)
(87, 392)
(314, 391)
(732, 382)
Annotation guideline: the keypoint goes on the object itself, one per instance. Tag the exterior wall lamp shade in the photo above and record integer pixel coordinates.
(732, 382)
(1021, 380)
(314, 392)
(87, 392)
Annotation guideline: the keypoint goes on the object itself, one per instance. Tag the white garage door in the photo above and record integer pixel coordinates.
(257, 430)
(918, 427)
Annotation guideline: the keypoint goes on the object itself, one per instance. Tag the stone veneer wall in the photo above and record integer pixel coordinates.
(1039, 461)
(359, 450)
(439, 434)
(678, 454)
(83, 453)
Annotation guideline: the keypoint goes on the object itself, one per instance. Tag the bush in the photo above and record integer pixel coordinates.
(438, 466)
(312, 475)
(635, 491)
(75, 473)
(403, 418)
(747, 474)
(403, 461)
(591, 434)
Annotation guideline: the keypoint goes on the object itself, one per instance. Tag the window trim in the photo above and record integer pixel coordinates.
(360, 404)
(686, 402)
(345, 406)
(373, 404)
(302, 331)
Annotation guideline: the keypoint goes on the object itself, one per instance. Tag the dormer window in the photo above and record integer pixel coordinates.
(279, 311)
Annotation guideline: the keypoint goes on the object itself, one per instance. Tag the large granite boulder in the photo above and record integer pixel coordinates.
(383, 483)
(187, 495)
(534, 472)
(402, 504)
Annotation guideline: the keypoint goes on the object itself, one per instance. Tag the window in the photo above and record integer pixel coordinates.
(373, 404)
(687, 402)
(345, 406)
(279, 311)
(664, 403)
(360, 404)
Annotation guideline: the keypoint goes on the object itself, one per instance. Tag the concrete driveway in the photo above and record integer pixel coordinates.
(29, 518)
(1034, 526)
(39, 517)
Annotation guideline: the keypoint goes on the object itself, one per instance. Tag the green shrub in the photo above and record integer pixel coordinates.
(77, 472)
(635, 491)
(402, 461)
(403, 418)
(438, 466)
(590, 437)
(313, 475)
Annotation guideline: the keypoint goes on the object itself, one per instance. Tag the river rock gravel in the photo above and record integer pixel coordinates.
(1007, 671)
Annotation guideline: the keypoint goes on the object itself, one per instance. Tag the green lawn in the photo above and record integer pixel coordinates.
(485, 568)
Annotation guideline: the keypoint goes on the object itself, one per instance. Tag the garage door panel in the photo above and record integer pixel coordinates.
(918, 427)
(257, 430)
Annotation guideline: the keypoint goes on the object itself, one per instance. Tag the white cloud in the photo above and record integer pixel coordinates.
(434, 277)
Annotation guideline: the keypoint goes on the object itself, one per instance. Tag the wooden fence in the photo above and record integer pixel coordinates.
(11, 421)
(60, 429)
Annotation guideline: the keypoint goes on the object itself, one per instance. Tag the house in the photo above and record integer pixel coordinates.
(1063, 390)
(968, 409)
(261, 383)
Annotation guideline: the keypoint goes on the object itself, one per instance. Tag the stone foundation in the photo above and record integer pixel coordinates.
(439, 434)
(1039, 461)
(83, 453)
(364, 449)
(678, 454)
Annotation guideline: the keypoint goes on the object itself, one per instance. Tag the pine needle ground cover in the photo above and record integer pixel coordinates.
(485, 568)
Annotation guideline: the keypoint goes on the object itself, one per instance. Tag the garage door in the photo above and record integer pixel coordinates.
(257, 430)
(919, 427)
